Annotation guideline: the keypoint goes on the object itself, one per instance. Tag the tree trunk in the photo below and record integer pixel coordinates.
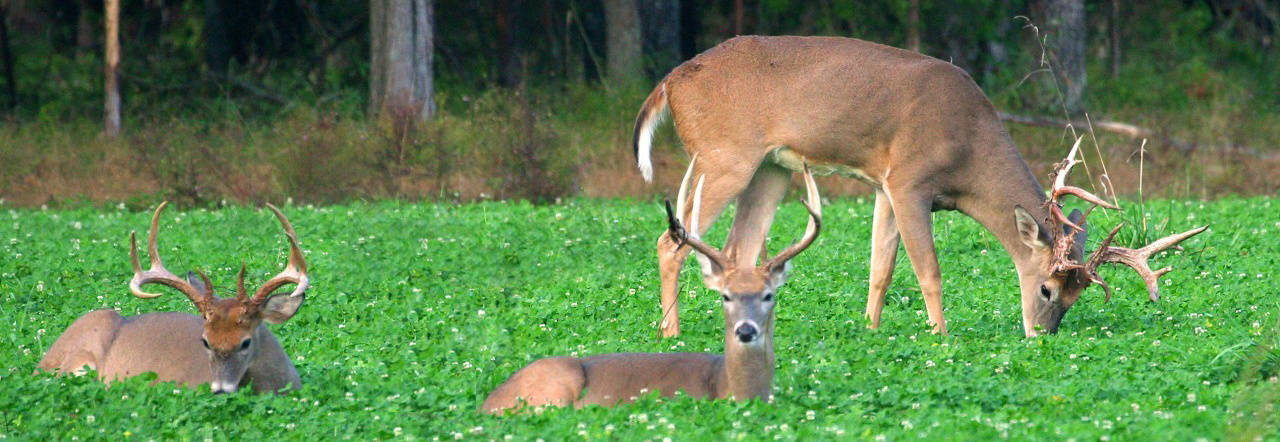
(424, 57)
(660, 21)
(217, 47)
(1066, 37)
(1113, 38)
(84, 30)
(622, 35)
(112, 114)
(507, 22)
(377, 54)
(401, 43)
(739, 17)
(690, 27)
(913, 25)
(6, 57)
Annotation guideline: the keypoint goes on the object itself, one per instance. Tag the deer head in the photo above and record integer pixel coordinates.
(747, 293)
(230, 324)
(1058, 244)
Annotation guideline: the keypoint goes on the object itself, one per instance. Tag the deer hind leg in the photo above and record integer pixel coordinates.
(723, 183)
(756, 208)
(884, 254)
(83, 344)
(913, 210)
(551, 381)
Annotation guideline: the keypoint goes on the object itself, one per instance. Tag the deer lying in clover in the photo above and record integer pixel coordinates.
(226, 345)
(745, 369)
(915, 128)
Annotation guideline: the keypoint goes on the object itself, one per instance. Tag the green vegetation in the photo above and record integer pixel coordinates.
(418, 310)
(287, 117)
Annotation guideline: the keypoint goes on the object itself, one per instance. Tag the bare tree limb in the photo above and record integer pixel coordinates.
(1134, 131)
(253, 88)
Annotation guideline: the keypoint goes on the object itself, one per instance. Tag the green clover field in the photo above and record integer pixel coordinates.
(417, 311)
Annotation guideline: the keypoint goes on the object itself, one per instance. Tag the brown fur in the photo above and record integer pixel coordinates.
(226, 346)
(162, 343)
(915, 128)
(744, 371)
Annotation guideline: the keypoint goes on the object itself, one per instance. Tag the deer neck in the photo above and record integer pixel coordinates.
(271, 368)
(747, 371)
(1004, 182)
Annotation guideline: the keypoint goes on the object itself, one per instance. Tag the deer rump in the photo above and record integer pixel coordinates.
(607, 380)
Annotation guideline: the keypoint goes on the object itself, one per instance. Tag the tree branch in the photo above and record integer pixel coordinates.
(1134, 131)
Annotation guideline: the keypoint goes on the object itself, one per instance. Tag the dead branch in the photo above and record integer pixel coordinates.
(1134, 131)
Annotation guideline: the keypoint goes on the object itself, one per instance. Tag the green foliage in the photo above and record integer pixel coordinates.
(418, 310)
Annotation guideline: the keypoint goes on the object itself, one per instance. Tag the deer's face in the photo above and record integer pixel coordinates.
(229, 340)
(231, 333)
(748, 297)
(1047, 293)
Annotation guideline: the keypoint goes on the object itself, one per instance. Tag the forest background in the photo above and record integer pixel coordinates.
(244, 101)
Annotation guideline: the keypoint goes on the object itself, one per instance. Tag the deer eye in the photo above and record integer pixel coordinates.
(725, 298)
(206, 343)
(244, 345)
(768, 297)
(1044, 291)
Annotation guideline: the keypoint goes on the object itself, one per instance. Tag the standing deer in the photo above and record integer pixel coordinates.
(744, 371)
(226, 346)
(915, 128)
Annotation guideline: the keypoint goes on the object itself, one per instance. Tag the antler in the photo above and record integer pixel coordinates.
(690, 236)
(295, 271)
(1136, 259)
(1057, 220)
(157, 274)
(813, 203)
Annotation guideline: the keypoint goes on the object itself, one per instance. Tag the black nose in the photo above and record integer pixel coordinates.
(746, 332)
(219, 392)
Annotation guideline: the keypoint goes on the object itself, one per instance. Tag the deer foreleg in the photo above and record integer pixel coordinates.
(915, 225)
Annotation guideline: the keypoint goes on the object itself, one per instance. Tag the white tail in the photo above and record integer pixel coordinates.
(652, 113)
(226, 346)
(743, 371)
(917, 129)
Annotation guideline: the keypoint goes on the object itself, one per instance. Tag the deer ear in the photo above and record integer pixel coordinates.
(778, 275)
(279, 308)
(1081, 237)
(196, 282)
(711, 272)
(1029, 230)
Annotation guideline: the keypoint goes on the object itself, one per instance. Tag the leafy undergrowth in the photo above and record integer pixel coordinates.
(418, 310)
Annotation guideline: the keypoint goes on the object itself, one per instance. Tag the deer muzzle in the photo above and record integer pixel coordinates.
(746, 331)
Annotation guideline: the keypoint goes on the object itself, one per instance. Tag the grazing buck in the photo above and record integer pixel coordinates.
(226, 346)
(915, 128)
(744, 371)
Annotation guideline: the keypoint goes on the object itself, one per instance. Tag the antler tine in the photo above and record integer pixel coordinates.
(157, 274)
(295, 271)
(1061, 188)
(689, 235)
(1136, 259)
(813, 203)
(241, 294)
(684, 187)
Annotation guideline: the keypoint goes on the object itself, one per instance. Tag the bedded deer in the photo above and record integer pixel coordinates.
(226, 345)
(743, 371)
(915, 128)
